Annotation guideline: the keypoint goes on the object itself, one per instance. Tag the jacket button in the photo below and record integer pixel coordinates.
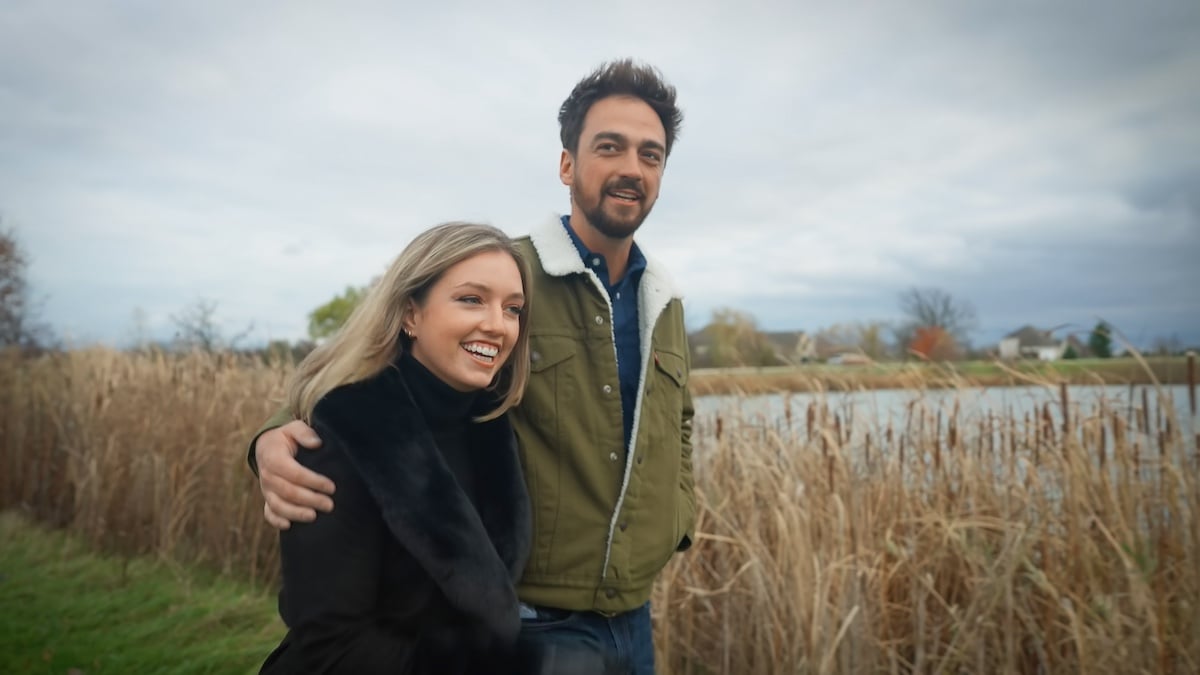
(639, 460)
(610, 592)
(535, 356)
(599, 320)
(607, 389)
(623, 526)
(613, 456)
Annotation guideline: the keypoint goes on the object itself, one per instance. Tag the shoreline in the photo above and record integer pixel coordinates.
(1172, 370)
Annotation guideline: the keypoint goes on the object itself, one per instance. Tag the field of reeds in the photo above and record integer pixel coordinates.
(952, 543)
(142, 453)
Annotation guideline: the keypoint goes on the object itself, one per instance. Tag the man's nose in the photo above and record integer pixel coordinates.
(631, 165)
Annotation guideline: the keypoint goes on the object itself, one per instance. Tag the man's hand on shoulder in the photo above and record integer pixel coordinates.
(292, 492)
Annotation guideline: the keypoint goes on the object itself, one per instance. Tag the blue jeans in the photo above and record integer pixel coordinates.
(625, 642)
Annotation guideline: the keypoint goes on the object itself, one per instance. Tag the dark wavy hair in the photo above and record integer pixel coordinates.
(619, 78)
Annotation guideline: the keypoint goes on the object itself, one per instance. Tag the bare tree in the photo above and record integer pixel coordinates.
(196, 328)
(1166, 345)
(19, 326)
(933, 307)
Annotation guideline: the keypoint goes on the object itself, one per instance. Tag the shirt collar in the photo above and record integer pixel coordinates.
(637, 261)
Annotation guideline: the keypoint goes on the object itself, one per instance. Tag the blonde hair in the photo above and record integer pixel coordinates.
(373, 336)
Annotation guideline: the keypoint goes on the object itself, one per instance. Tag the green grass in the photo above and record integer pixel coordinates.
(1115, 371)
(64, 609)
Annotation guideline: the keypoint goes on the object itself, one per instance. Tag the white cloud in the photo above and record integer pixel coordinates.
(1037, 159)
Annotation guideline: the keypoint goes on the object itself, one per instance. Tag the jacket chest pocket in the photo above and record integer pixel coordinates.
(671, 373)
(664, 395)
(551, 380)
(672, 366)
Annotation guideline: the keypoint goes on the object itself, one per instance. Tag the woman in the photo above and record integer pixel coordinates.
(413, 572)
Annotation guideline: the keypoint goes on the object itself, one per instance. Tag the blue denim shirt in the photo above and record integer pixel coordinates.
(624, 298)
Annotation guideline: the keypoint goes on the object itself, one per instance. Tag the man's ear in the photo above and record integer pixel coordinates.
(566, 168)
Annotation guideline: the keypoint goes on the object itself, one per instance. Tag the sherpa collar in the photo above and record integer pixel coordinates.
(559, 257)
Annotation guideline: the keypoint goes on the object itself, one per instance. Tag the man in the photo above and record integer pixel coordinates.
(605, 425)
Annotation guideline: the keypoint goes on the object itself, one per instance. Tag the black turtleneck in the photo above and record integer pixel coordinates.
(448, 413)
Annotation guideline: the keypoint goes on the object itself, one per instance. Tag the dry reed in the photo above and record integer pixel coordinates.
(142, 453)
(953, 543)
(946, 542)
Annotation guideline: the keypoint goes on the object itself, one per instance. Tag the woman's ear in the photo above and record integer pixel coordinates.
(408, 321)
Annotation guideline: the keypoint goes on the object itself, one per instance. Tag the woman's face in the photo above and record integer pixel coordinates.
(466, 328)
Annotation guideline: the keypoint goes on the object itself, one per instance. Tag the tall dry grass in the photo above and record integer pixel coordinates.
(142, 453)
(954, 543)
(951, 543)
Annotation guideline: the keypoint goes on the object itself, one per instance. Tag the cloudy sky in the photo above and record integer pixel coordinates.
(1038, 159)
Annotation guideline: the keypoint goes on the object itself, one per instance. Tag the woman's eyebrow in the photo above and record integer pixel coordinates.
(484, 288)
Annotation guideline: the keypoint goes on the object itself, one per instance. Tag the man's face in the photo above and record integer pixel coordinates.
(615, 172)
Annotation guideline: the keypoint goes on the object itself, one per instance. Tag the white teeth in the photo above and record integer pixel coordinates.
(482, 350)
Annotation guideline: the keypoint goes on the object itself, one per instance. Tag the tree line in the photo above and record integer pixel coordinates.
(733, 339)
(935, 326)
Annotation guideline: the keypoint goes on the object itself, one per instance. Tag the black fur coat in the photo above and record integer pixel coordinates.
(405, 575)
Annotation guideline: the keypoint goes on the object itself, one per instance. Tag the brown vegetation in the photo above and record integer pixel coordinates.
(141, 453)
(933, 343)
(916, 375)
(949, 543)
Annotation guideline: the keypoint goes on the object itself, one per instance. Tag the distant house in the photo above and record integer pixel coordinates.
(1032, 343)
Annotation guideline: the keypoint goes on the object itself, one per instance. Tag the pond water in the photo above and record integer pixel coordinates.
(878, 409)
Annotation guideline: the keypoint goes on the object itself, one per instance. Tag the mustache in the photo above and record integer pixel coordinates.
(626, 183)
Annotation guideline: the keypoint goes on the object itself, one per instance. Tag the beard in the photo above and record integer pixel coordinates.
(607, 224)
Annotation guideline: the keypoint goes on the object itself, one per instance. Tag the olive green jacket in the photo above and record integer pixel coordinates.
(606, 519)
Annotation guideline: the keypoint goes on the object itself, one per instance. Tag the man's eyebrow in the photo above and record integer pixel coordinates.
(621, 138)
(610, 136)
(654, 145)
